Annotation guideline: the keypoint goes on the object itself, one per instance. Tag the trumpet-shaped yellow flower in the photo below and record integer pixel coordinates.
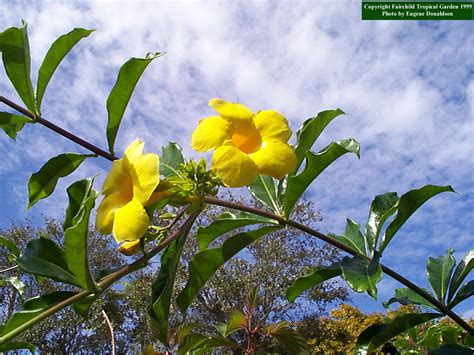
(130, 248)
(128, 189)
(245, 144)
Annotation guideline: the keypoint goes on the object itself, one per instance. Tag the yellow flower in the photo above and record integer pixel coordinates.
(245, 144)
(127, 189)
(130, 248)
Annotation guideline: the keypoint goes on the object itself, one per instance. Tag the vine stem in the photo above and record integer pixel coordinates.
(105, 282)
(111, 330)
(288, 222)
(215, 201)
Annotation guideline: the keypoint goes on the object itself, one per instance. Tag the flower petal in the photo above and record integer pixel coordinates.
(145, 177)
(272, 126)
(104, 218)
(130, 248)
(133, 152)
(275, 159)
(230, 110)
(235, 168)
(118, 180)
(210, 133)
(130, 222)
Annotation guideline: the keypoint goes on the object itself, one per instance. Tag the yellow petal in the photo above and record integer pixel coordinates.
(230, 110)
(118, 180)
(130, 248)
(210, 133)
(133, 152)
(130, 222)
(145, 176)
(272, 126)
(105, 213)
(235, 168)
(275, 159)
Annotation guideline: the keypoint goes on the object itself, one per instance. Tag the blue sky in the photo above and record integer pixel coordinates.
(407, 87)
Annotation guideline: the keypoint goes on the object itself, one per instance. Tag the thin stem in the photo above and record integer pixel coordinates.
(59, 130)
(442, 308)
(9, 268)
(111, 329)
(103, 283)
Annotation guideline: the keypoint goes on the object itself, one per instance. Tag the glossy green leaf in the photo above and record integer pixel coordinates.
(378, 334)
(77, 194)
(352, 237)
(170, 160)
(362, 274)
(235, 321)
(15, 50)
(225, 223)
(43, 182)
(407, 296)
(382, 207)
(263, 188)
(12, 130)
(120, 95)
(162, 288)
(315, 165)
(206, 262)
(7, 118)
(32, 308)
(439, 272)
(462, 270)
(310, 131)
(407, 205)
(466, 291)
(83, 306)
(196, 343)
(56, 53)
(44, 257)
(293, 342)
(75, 236)
(17, 345)
(317, 276)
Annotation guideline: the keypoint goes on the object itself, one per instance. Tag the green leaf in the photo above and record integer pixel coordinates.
(118, 99)
(206, 262)
(77, 194)
(352, 237)
(196, 343)
(407, 205)
(407, 296)
(462, 270)
(382, 207)
(235, 321)
(56, 53)
(466, 291)
(451, 349)
(44, 257)
(289, 338)
(43, 182)
(7, 118)
(17, 345)
(310, 131)
(225, 223)
(12, 130)
(170, 160)
(378, 334)
(162, 288)
(319, 274)
(264, 190)
(362, 274)
(439, 272)
(15, 50)
(34, 307)
(75, 236)
(315, 165)
(83, 306)
(12, 248)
